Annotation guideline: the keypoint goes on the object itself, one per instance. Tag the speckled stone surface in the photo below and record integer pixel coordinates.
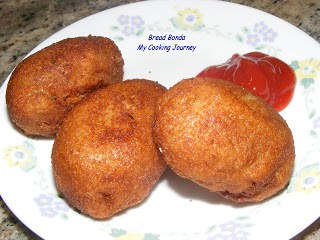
(26, 23)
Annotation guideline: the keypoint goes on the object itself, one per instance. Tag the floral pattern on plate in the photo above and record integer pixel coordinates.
(20, 155)
(234, 229)
(51, 206)
(307, 71)
(128, 26)
(259, 36)
(306, 177)
(120, 234)
(186, 19)
(306, 180)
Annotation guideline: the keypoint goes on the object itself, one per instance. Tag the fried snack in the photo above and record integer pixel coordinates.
(225, 139)
(46, 85)
(104, 158)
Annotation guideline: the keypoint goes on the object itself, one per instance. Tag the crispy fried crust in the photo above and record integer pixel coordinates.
(47, 84)
(225, 139)
(104, 158)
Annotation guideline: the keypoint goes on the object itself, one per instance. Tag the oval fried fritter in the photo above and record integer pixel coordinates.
(104, 158)
(225, 139)
(46, 85)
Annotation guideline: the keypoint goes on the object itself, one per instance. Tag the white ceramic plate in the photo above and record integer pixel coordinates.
(178, 209)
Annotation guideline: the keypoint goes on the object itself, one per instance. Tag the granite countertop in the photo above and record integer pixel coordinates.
(26, 23)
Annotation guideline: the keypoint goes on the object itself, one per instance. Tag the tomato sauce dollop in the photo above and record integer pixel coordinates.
(265, 76)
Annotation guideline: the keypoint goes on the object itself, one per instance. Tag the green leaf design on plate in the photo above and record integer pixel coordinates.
(246, 30)
(118, 38)
(312, 113)
(243, 218)
(239, 38)
(115, 28)
(294, 65)
(306, 82)
(212, 228)
(260, 47)
(313, 133)
(151, 236)
(140, 32)
(117, 232)
(64, 216)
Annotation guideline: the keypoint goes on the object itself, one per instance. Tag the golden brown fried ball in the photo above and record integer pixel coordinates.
(225, 139)
(47, 84)
(104, 158)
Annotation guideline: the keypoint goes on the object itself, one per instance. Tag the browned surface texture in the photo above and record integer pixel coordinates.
(104, 157)
(225, 139)
(46, 85)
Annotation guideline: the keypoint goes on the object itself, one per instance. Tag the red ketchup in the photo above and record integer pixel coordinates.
(267, 77)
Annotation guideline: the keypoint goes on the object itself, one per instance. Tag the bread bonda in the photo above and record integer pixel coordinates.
(225, 139)
(104, 158)
(46, 85)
